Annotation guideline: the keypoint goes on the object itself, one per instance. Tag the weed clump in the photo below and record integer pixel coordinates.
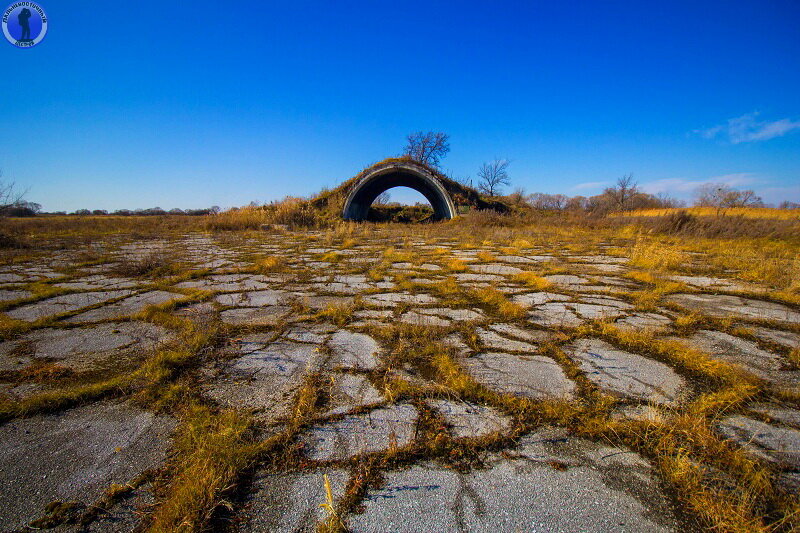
(152, 265)
(270, 264)
(534, 280)
(499, 303)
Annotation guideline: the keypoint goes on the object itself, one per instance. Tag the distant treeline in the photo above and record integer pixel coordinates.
(29, 209)
(626, 196)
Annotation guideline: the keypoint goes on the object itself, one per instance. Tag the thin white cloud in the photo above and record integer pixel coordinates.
(748, 128)
(680, 186)
(590, 185)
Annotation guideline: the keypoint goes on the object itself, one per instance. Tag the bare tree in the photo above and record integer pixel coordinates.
(493, 176)
(723, 196)
(9, 195)
(576, 203)
(556, 202)
(383, 198)
(623, 192)
(429, 148)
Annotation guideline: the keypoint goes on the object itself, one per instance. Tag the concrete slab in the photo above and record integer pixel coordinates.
(391, 299)
(419, 319)
(495, 268)
(341, 288)
(75, 455)
(530, 335)
(265, 375)
(747, 354)
(125, 515)
(353, 435)
(599, 489)
(310, 333)
(63, 304)
(97, 282)
(778, 413)
(566, 280)
(596, 311)
(539, 298)
(607, 301)
(626, 374)
(128, 306)
(255, 316)
(354, 350)
(643, 321)
(96, 347)
(290, 501)
(555, 315)
(320, 303)
(775, 444)
(784, 338)
(252, 298)
(470, 420)
(11, 295)
(228, 282)
(456, 314)
(516, 259)
(719, 305)
(494, 341)
(12, 277)
(707, 282)
(466, 276)
(351, 391)
(536, 377)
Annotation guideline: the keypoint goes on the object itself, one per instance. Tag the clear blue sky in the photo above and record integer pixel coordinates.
(189, 104)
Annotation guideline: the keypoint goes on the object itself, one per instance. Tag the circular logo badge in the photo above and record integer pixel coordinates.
(24, 24)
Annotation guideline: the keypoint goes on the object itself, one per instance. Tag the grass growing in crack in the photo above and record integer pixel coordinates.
(270, 264)
(212, 449)
(533, 280)
(456, 265)
(338, 314)
(151, 265)
(499, 303)
(331, 257)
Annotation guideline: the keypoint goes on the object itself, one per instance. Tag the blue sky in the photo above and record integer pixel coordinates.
(189, 104)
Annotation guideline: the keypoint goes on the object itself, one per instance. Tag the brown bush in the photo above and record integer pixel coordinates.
(10, 241)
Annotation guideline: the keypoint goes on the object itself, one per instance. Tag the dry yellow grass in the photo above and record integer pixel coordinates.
(500, 304)
(456, 265)
(533, 280)
(486, 257)
(270, 264)
(331, 257)
(212, 449)
(747, 212)
(656, 256)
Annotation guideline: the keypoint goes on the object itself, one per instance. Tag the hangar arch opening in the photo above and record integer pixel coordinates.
(374, 183)
(400, 204)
